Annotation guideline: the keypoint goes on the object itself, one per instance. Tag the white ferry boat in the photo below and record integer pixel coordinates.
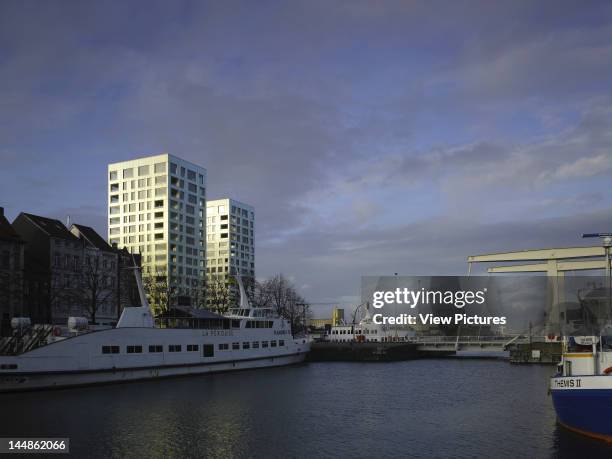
(136, 349)
(368, 331)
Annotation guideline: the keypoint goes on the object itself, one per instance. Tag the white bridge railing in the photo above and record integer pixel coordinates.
(492, 341)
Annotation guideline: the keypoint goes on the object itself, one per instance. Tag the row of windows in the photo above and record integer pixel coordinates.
(233, 271)
(137, 207)
(74, 262)
(253, 345)
(8, 366)
(223, 219)
(239, 211)
(191, 175)
(70, 244)
(224, 226)
(180, 183)
(141, 183)
(157, 348)
(153, 348)
(232, 237)
(357, 332)
(83, 280)
(141, 195)
(259, 324)
(158, 168)
(212, 253)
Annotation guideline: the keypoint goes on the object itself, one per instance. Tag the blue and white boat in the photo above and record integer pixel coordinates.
(582, 389)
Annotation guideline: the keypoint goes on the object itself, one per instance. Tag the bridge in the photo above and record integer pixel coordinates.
(555, 262)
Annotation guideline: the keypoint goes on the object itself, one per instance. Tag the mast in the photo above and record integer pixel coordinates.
(139, 316)
(244, 299)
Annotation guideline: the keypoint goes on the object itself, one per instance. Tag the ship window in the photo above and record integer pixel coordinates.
(192, 348)
(156, 348)
(246, 345)
(8, 366)
(110, 349)
(174, 348)
(272, 343)
(255, 344)
(235, 346)
(208, 350)
(264, 344)
(134, 349)
(235, 323)
(223, 346)
(281, 342)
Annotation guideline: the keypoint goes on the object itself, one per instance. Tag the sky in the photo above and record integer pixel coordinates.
(371, 137)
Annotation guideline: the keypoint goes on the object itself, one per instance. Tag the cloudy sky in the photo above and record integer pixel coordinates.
(372, 137)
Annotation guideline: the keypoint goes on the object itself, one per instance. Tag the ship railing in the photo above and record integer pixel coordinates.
(22, 342)
(38, 337)
(5, 343)
(502, 339)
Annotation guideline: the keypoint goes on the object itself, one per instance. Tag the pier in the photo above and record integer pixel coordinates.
(362, 352)
(467, 346)
(515, 348)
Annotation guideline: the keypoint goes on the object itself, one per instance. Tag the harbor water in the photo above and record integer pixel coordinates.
(423, 408)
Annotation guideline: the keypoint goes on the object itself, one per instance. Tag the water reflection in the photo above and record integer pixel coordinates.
(428, 408)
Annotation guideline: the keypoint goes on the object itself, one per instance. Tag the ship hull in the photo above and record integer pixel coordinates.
(131, 354)
(19, 382)
(583, 403)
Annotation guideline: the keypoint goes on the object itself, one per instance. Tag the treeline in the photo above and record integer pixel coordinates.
(277, 293)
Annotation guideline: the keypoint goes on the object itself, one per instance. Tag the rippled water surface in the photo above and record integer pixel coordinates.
(424, 408)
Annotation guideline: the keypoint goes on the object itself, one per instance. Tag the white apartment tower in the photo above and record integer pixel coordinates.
(157, 207)
(230, 239)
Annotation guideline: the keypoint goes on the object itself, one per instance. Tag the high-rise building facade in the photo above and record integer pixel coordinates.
(157, 208)
(230, 239)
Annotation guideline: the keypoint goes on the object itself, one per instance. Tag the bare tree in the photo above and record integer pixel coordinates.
(262, 296)
(59, 296)
(280, 294)
(97, 285)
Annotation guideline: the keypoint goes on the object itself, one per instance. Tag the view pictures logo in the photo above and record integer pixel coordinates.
(413, 298)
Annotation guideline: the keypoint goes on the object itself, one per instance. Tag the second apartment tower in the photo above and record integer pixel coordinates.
(230, 228)
(157, 207)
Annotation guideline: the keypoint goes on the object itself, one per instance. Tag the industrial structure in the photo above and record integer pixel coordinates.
(337, 319)
(555, 263)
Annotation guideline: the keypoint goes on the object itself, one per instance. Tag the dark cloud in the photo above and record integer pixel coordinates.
(369, 136)
(330, 264)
